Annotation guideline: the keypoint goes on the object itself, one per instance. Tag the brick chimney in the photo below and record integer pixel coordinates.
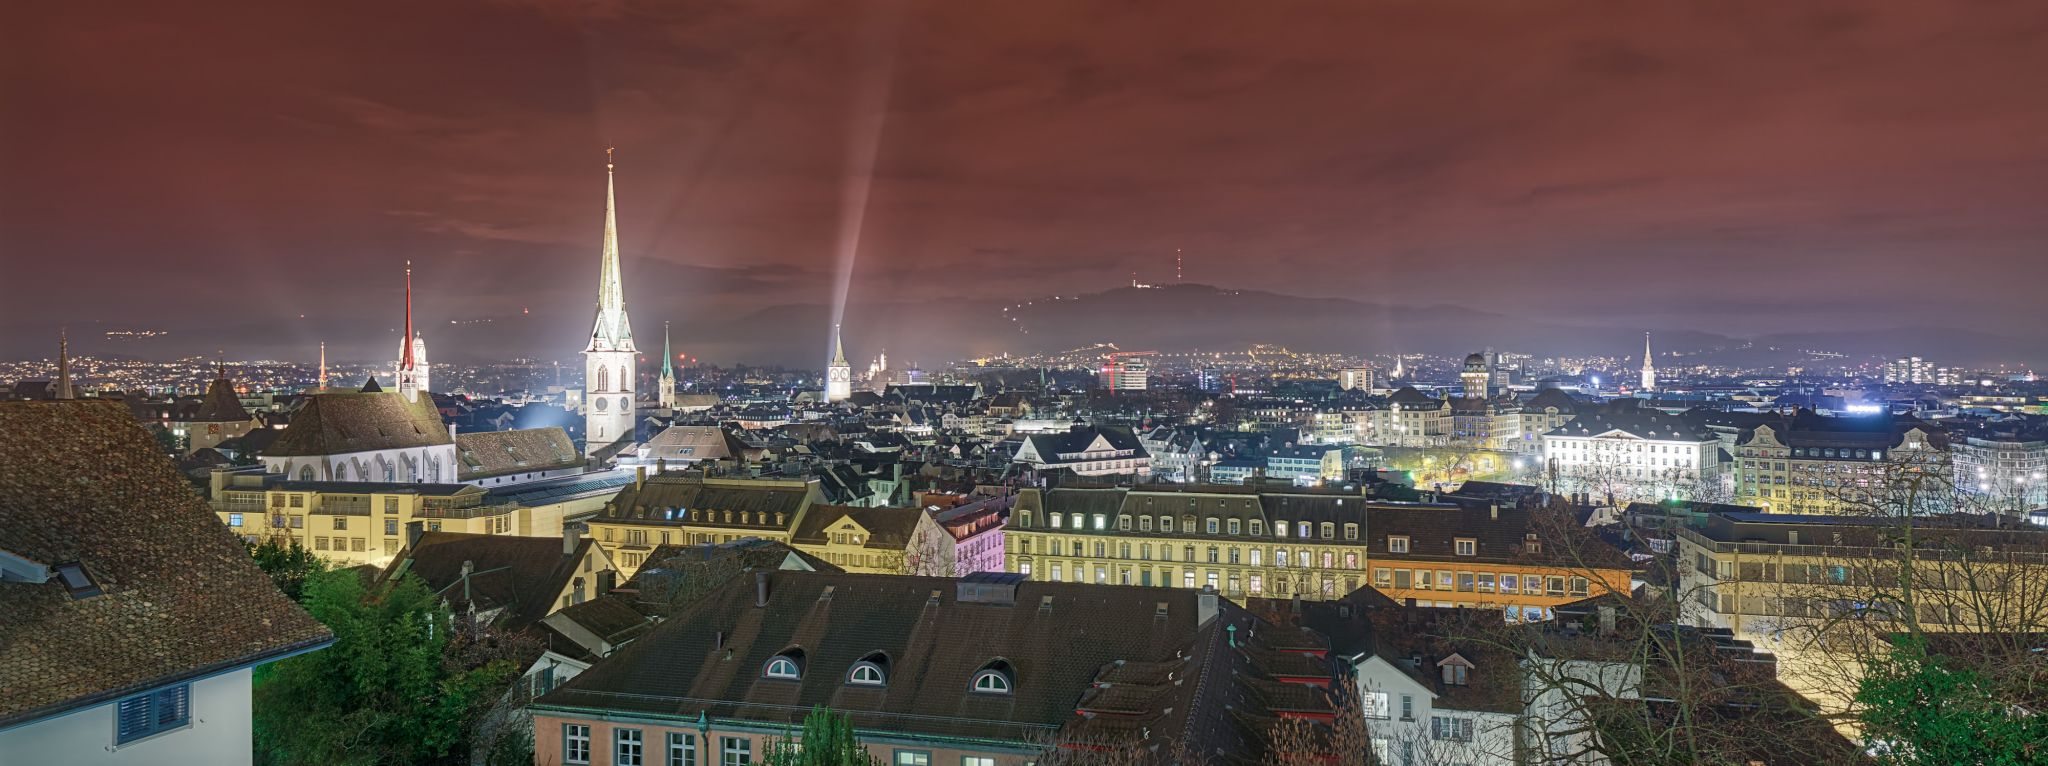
(571, 535)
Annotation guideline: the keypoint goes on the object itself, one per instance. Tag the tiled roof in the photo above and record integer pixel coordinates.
(181, 597)
(521, 575)
(746, 498)
(340, 423)
(688, 443)
(496, 453)
(888, 528)
(1052, 641)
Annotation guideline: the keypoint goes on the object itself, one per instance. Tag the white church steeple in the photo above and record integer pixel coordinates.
(1649, 370)
(609, 359)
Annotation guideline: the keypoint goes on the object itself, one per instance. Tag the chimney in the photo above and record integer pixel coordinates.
(661, 465)
(761, 588)
(467, 568)
(639, 476)
(1205, 606)
(1606, 620)
(571, 535)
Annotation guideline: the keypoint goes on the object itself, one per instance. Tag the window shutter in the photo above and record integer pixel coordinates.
(134, 718)
(173, 706)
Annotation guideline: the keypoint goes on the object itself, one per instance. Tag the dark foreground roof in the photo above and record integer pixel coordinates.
(181, 597)
(520, 575)
(1052, 639)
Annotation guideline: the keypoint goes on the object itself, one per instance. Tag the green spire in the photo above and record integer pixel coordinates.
(668, 356)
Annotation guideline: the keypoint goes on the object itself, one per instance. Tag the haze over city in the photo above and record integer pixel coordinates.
(1743, 169)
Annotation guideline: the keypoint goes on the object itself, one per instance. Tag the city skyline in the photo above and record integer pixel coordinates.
(1808, 185)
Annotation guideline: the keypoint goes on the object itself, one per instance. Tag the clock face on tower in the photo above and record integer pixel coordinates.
(625, 404)
(601, 402)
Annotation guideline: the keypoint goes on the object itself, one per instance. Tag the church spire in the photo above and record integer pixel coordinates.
(64, 363)
(409, 373)
(323, 366)
(838, 349)
(612, 332)
(1649, 370)
(610, 360)
(668, 355)
(405, 361)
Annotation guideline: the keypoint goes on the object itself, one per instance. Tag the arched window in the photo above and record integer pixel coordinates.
(787, 666)
(993, 678)
(306, 473)
(865, 675)
(603, 379)
(624, 382)
(872, 670)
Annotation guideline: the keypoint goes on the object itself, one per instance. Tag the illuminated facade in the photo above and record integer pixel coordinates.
(1321, 545)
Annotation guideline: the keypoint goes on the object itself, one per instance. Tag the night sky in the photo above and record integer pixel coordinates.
(1738, 167)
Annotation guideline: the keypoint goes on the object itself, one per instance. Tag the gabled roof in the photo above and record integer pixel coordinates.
(341, 423)
(496, 453)
(887, 528)
(520, 575)
(1051, 446)
(1629, 417)
(180, 598)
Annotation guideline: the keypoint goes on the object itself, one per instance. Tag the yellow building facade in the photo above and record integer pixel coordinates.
(1246, 542)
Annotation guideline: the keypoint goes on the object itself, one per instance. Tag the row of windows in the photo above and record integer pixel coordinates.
(751, 518)
(1210, 525)
(1281, 557)
(1231, 583)
(1462, 546)
(1479, 582)
(993, 677)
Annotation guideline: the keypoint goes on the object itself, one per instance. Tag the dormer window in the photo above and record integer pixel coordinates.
(871, 670)
(993, 678)
(1209, 525)
(787, 666)
(1055, 520)
(1467, 546)
(1456, 669)
(1397, 543)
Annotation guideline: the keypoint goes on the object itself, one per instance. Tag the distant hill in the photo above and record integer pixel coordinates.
(1177, 317)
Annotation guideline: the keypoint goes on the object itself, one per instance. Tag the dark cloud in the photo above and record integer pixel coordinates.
(232, 166)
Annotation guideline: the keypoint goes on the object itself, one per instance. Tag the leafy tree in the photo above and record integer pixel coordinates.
(1921, 709)
(827, 740)
(383, 692)
(288, 563)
